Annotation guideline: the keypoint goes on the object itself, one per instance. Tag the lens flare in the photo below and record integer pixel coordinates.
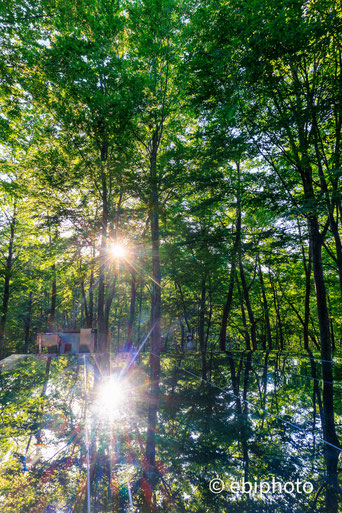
(112, 397)
(117, 250)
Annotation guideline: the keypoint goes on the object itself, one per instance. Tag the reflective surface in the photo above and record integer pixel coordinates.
(75, 439)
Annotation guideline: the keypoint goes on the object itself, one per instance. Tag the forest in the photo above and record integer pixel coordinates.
(170, 170)
(204, 138)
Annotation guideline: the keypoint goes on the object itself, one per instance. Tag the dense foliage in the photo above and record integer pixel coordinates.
(205, 137)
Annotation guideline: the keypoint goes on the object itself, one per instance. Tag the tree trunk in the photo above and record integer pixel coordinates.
(328, 421)
(321, 295)
(243, 315)
(329, 433)
(110, 291)
(101, 322)
(227, 307)
(28, 323)
(182, 334)
(177, 284)
(336, 234)
(156, 274)
(333, 343)
(91, 294)
(279, 327)
(7, 289)
(84, 305)
(131, 310)
(139, 316)
(248, 305)
(209, 316)
(52, 314)
(266, 311)
(307, 301)
(201, 336)
(155, 311)
(226, 311)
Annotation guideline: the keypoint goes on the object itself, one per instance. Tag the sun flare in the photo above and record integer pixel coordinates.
(117, 250)
(112, 397)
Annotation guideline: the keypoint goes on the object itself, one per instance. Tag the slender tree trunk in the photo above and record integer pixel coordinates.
(226, 311)
(101, 321)
(228, 304)
(108, 303)
(266, 311)
(119, 327)
(28, 323)
(209, 316)
(139, 316)
(201, 337)
(243, 315)
(182, 334)
(338, 245)
(132, 310)
(52, 314)
(7, 289)
(248, 305)
(328, 420)
(333, 343)
(84, 307)
(330, 453)
(91, 323)
(316, 242)
(321, 295)
(156, 275)
(177, 284)
(155, 313)
(279, 325)
(307, 301)
(244, 435)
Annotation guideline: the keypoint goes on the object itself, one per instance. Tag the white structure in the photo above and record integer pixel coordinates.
(66, 342)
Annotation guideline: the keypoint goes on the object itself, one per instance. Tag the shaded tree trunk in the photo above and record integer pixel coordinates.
(248, 305)
(266, 311)
(226, 311)
(331, 454)
(132, 310)
(110, 291)
(156, 273)
(328, 421)
(28, 323)
(91, 300)
(243, 315)
(177, 284)
(210, 314)
(338, 245)
(52, 314)
(84, 305)
(155, 315)
(307, 301)
(279, 325)
(228, 304)
(182, 334)
(333, 343)
(201, 335)
(7, 289)
(101, 314)
(139, 316)
(321, 295)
